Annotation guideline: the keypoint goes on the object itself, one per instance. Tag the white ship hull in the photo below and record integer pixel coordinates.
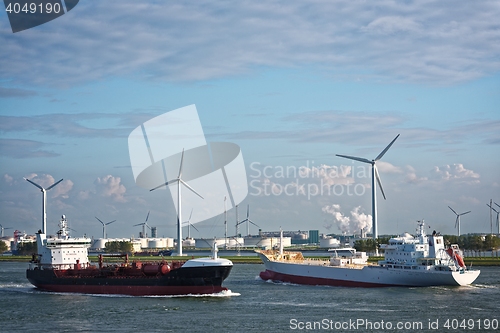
(320, 273)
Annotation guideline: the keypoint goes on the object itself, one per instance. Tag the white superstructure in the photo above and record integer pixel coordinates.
(62, 252)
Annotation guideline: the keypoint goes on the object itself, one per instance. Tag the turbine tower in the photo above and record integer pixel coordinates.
(144, 225)
(104, 226)
(375, 175)
(44, 200)
(457, 221)
(179, 202)
(225, 224)
(498, 212)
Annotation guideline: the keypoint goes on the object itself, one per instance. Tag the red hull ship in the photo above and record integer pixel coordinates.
(62, 265)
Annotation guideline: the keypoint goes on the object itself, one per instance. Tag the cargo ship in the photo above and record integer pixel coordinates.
(62, 265)
(409, 261)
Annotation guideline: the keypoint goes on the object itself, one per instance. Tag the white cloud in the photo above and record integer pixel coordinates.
(433, 41)
(411, 176)
(110, 186)
(456, 172)
(8, 179)
(387, 167)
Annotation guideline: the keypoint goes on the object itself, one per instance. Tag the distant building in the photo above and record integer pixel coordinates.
(313, 236)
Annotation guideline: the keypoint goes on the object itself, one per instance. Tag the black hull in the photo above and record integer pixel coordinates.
(182, 281)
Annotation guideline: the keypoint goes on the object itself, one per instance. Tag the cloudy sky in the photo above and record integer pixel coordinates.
(293, 84)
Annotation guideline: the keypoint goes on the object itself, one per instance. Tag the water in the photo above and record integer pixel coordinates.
(252, 305)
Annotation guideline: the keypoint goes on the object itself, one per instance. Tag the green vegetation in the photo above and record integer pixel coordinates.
(26, 248)
(474, 242)
(3, 247)
(368, 245)
(122, 247)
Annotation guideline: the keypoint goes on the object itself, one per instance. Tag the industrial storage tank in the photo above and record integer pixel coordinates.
(99, 243)
(156, 243)
(234, 242)
(169, 242)
(144, 243)
(203, 243)
(190, 242)
(266, 242)
(329, 242)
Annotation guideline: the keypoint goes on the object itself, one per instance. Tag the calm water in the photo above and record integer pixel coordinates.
(252, 306)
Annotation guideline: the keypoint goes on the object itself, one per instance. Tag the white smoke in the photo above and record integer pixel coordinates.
(354, 224)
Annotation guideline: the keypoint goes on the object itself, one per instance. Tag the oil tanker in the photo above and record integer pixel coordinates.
(62, 265)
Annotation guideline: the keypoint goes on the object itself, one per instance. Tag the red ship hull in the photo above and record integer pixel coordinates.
(181, 281)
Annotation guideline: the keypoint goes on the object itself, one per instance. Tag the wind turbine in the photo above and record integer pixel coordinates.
(190, 225)
(179, 202)
(2, 229)
(44, 200)
(496, 211)
(144, 225)
(104, 226)
(457, 221)
(248, 221)
(375, 175)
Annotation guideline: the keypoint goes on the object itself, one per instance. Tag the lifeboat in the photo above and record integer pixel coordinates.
(456, 257)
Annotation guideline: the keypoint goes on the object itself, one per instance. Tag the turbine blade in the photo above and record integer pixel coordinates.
(99, 220)
(180, 167)
(364, 160)
(189, 187)
(466, 213)
(110, 222)
(147, 216)
(41, 188)
(51, 186)
(386, 149)
(195, 228)
(253, 223)
(379, 181)
(248, 211)
(456, 221)
(453, 210)
(164, 184)
(135, 225)
(497, 204)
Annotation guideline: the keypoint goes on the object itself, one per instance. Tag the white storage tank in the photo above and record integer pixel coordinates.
(100, 243)
(203, 243)
(155, 244)
(189, 242)
(329, 242)
(169, 242)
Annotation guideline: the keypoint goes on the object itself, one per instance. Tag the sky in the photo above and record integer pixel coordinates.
(292, 84)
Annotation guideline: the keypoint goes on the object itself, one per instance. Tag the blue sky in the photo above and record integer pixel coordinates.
(291, 84)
